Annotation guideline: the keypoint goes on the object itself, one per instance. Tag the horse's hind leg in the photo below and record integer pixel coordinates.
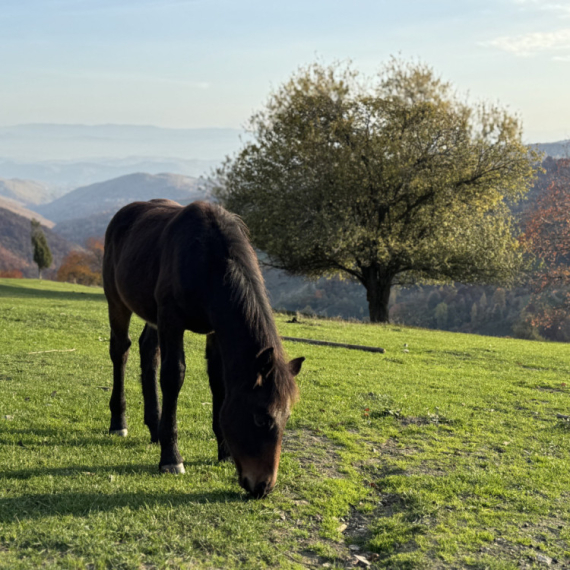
(119, 319)
(215, 375)
(148, 344)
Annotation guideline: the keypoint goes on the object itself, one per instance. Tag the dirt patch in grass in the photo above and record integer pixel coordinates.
(530, 545)
(554, 389)
(315, 451)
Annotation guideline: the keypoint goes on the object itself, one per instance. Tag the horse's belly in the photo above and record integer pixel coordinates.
(137, 292)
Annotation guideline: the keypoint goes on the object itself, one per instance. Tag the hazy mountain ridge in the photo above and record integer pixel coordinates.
(560, 149)
(24, 191)
(62, 176)
(41, 142)
(110, 196)
(79, 230)
(17, 208)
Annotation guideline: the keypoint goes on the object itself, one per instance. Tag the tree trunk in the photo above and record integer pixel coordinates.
(39, 272)
(378, 286)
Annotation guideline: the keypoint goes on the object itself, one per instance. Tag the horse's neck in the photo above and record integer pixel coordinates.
(241, 341)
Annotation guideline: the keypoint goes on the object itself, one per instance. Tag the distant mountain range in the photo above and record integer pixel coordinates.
(41, 142)
(560, 149)
(109, 196)
(64, 157)
(61, 176)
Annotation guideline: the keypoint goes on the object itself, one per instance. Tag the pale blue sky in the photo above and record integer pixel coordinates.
(211, 63)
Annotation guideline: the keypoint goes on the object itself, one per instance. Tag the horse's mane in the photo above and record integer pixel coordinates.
(249, 292)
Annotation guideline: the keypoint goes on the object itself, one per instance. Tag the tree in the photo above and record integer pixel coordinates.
(83, 267)
(547, 236)
(388, 181)
(42, 253)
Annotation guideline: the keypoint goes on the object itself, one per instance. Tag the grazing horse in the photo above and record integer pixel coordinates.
(193, 268)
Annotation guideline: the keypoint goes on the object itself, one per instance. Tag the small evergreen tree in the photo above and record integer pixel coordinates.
(42, 253)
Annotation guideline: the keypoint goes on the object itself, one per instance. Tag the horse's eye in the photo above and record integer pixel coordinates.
(262, 420)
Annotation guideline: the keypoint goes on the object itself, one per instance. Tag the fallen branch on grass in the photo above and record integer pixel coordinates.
(562, 417)
(334, 344)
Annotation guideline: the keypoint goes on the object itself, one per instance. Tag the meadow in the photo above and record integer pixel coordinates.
(447, 451)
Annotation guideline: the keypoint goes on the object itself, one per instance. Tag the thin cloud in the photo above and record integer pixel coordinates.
(533, 43)
(562, 8)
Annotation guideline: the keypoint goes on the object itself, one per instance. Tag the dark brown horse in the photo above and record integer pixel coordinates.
(193, 268)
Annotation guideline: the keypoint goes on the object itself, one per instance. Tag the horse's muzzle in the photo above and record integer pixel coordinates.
(257, 491)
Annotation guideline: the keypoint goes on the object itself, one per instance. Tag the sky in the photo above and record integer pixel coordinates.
(212, 63)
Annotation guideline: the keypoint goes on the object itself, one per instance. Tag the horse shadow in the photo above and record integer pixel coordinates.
(80, 504)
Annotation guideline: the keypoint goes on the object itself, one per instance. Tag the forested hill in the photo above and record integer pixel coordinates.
(16, 246)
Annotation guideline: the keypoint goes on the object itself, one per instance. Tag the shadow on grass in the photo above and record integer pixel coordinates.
(28, 439)
(26, 293)
(126, 469)
(114, 446)
(41, 505)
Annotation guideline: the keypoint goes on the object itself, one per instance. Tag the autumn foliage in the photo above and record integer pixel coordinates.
(547, 236)
(83, 267)
(12, 274)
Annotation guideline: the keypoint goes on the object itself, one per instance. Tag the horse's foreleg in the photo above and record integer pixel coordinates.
(172, 369)
(215, 375)
(149, 351)
(119, 351)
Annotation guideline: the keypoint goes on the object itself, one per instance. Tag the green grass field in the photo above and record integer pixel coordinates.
(445, 454)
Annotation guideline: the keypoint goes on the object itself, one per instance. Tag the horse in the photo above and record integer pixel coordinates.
(193, 268)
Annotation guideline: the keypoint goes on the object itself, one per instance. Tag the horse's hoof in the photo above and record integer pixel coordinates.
(175, 469)
(119, 432)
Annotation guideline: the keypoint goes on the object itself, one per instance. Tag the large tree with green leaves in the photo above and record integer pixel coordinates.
(42, 253)
(389, 180)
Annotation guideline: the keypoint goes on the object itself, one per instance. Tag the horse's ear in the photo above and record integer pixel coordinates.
(295, 365)
(265, 361)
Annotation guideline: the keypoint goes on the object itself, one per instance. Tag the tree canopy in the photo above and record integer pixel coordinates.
(83, 267)
(390, 180)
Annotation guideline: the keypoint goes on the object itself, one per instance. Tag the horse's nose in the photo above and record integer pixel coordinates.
(257, 490)
(260, 490)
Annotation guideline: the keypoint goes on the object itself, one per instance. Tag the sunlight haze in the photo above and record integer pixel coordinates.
(202, 64)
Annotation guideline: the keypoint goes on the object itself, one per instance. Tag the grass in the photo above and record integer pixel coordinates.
(449, 455)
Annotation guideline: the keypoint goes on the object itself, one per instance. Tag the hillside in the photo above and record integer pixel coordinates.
(79, 230)
(109, 196)
(16, 248)
(17, 208)
(448, 451)
(26, 192)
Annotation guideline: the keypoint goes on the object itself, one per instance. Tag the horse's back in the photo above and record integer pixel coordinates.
(159, 252)
(132, 255)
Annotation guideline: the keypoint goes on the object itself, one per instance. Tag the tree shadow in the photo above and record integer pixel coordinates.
(26, 293)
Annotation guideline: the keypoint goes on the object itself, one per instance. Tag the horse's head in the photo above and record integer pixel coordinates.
(253, 419)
